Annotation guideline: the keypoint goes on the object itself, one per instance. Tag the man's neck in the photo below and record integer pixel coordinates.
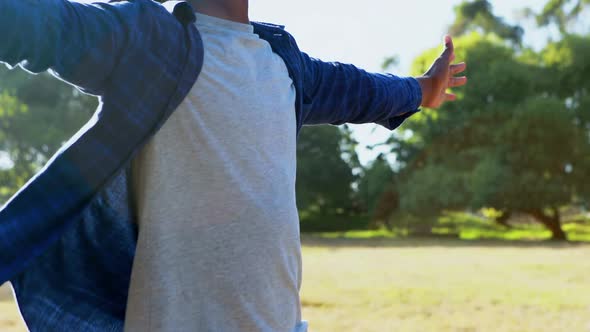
(233, 10)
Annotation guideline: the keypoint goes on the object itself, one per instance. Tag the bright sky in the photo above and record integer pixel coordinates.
(366, 32)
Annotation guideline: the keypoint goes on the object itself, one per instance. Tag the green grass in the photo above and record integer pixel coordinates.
(444, 286)
(441, 285)
(469, 227)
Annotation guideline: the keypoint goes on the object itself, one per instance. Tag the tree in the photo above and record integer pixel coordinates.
(521, 140)
(324, 178)
(511, 142)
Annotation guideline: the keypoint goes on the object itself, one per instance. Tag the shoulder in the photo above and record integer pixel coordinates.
(149, 22)
(146, 9)
(275, 33)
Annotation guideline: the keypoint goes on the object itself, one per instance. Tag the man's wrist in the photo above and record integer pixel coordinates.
(425, 86)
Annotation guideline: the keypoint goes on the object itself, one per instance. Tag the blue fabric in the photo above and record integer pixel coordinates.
(67, 238)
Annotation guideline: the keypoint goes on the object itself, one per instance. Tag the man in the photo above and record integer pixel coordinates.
(188, 168)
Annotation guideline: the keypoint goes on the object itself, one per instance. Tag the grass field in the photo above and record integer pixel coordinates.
(435, 286)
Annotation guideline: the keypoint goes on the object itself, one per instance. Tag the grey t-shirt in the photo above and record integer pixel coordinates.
(219, 247)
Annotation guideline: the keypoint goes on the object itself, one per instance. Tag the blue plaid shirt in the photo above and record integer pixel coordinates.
(68, 237)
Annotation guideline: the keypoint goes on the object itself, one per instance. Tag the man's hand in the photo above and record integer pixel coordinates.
(440, 77)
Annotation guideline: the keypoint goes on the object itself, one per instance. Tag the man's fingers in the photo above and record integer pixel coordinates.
(450, 97)
(458, 68)
(457, 81)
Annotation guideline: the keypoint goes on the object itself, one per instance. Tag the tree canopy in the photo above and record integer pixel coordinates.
(478, 15)
(561, 12)
(517, 140)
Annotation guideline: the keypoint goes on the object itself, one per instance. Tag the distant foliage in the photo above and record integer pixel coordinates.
(323, 178)
(37, 115)
(378, 193)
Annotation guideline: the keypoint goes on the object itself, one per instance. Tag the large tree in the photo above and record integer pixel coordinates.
(514, 141)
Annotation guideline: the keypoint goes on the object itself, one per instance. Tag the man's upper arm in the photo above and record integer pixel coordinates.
(79, 43)
(336, 93)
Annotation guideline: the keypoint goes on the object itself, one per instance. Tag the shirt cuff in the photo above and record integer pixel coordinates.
(414, 101)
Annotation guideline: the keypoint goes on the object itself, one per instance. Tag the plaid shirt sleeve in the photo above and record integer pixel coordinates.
(128, 65)
(336, 93)
(67, 238)
(79, 43)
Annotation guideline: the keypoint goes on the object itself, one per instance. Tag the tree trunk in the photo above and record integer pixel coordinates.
(552, 223)
(503, 220)
(387, 205)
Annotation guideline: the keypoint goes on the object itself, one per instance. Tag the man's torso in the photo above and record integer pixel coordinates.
(219, 246)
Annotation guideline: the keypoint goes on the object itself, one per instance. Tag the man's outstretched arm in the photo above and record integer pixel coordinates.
(336, 93)
(79, 43)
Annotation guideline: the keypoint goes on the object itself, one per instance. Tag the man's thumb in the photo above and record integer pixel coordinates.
(449, 47)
